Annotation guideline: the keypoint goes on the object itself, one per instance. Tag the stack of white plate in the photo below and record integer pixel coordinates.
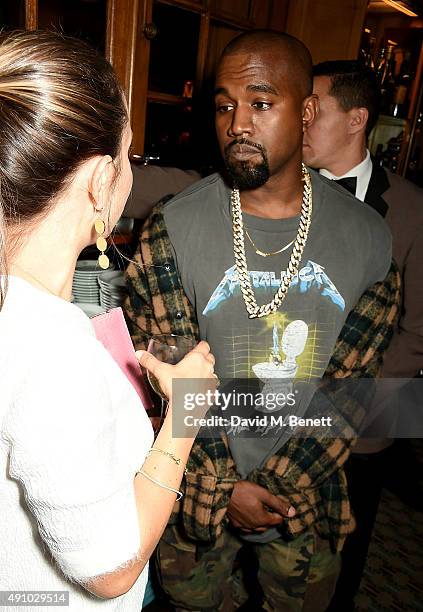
(85, 287)
(91, 310)
(112, 288)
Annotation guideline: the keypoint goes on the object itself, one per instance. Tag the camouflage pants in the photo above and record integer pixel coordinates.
(294, 576)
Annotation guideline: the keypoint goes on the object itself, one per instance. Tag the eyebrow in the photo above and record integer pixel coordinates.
(258, 87)
(263, 88)
(220, 90)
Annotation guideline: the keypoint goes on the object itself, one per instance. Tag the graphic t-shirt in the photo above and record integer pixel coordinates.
(348, 249)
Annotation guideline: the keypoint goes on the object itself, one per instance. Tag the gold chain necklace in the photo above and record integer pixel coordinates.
(263, 253)
(254, 311)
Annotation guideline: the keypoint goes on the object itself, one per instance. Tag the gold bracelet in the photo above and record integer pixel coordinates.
(179, 494)
(177, 460)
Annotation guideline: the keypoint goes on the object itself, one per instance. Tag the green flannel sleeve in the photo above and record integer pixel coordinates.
(303, 465)
(156, 303)
(207, 489)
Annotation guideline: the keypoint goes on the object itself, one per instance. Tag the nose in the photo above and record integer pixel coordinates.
(241, 123)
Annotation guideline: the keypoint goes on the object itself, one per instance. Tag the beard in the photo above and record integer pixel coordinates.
(245, 174)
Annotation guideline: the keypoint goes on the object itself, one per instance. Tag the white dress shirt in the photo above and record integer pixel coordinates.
(362, 171)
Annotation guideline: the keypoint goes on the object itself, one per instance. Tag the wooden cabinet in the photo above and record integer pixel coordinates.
(12, 14)
(86, 20)
(174, 51)
(190, 4)
(169, 62)
(177, 48)
(331, 29)
(219, 36)
(165, 51)
(238, 10)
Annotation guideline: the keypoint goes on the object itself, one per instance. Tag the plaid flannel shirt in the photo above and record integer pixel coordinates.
(307, 471)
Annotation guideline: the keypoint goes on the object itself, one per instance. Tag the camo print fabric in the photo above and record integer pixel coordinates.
(306, 470)
(297, 575)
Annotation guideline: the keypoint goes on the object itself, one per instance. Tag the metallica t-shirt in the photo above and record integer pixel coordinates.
(348, 249)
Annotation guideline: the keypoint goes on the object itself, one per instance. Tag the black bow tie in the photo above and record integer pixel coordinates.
(349, 183)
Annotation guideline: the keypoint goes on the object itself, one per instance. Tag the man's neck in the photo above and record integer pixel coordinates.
(347, 160)
(279, 198)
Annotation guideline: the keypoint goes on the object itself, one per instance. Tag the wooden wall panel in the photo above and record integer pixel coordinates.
(237, 9)
(140, 78)
(219, 36)
(261, 11)
(278, 15)
(331, 29)
(121, 42)
(31, 14)
(270, 14)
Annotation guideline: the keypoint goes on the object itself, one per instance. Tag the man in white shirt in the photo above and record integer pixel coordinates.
(356, 179)
(336, 144)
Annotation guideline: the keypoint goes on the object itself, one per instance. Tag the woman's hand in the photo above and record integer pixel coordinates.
(197, 364)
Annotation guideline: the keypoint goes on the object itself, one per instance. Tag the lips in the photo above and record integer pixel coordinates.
(243, 151)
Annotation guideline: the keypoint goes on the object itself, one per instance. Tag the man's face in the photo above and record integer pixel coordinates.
(258, 116)
(325, 139)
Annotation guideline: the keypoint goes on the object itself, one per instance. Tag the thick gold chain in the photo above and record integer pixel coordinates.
(255, 311)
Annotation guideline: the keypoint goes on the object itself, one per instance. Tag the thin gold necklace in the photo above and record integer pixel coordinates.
(263, 253)
(34, 278)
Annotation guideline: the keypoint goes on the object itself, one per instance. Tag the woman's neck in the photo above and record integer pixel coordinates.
(51, 279)
(46, 258)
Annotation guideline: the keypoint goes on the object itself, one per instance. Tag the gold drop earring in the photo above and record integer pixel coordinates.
(101, 243)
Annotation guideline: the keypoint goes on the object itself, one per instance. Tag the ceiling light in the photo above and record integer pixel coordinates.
(400, 8)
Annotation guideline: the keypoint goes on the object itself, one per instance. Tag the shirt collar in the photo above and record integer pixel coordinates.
(362, 171)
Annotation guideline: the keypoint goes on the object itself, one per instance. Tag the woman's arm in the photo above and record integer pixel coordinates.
(155, 503)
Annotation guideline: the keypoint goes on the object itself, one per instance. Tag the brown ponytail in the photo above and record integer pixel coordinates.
(60, 104)
(3, 264)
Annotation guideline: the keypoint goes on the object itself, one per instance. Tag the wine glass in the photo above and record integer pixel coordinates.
(169, 348)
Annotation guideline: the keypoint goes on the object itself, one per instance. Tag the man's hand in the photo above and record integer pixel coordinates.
(253, 508)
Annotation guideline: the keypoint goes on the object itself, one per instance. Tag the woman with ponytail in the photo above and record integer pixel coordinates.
(83, 499)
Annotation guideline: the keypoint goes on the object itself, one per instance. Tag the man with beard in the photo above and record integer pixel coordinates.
(265, 264)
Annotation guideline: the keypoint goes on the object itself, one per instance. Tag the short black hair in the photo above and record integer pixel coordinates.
(353, 85)
(300, 63)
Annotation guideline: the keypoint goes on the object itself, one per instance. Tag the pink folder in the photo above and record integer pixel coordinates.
(111, 330)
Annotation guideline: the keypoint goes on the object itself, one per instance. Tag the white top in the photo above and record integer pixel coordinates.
(362, 171)
(73, 433)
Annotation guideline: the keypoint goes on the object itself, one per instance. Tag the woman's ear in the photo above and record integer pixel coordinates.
(101, 179)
